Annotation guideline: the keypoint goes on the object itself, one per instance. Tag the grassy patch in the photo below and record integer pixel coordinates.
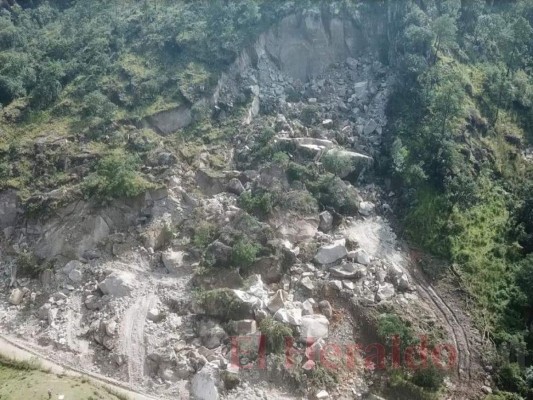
(22, 381)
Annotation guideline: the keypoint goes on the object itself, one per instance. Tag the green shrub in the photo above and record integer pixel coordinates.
(298, 172)
(223, 304)
(309, 115)
(28, 265)
(509, 377)
(337, 163)
(430, 378)
(401, 387)
(390, 325)
(281, 158)
(321, 377)
(204, 234)
(259, 204)
(116, 176)
(244, 253)
(96, 104)
(276, 334)
(300, 201)
(332, 192)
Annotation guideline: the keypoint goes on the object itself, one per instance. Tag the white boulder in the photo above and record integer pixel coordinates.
(16, 297)
(173, 260)
(118, 284)
(204, 385)
(314, 327)
(331, 253)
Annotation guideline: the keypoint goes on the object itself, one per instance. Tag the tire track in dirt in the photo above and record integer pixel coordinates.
(132, 337)
(454, 326)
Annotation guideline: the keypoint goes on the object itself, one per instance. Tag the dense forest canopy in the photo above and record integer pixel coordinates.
(461, 116)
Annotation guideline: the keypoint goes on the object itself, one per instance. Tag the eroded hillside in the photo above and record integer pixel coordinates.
(212, 174)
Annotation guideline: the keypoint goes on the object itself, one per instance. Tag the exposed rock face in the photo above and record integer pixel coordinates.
(8, 208)
(70, 236)
(304, 45)
(169, 121)
(301, 45)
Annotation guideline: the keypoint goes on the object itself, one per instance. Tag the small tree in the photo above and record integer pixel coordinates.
(96, 104)
(445, 31)
(116, 176)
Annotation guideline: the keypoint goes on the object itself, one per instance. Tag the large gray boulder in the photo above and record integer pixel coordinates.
(331, 253)
(348, 271)
(204, 385)
(172, 260)
(211, 334)
(278, 301)
(16, 297)
(314, 327)
(385, 292)
(326, 221)
(291, 316)
(170, 121)
(118, 284)
(218, 254)
(370, 127)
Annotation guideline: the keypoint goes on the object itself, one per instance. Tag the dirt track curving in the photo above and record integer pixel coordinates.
(459, 328)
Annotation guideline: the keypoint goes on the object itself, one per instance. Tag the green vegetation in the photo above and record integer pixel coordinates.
(337, 163)
(276, 334)
(461, 113)
(259, 203)
(24, 380)
(28, 265)
(390, 325)
(244, 253)
(204, 234)
(419, 383)
(78, 78)
(116, 176)
(80, 75)
(223, 304)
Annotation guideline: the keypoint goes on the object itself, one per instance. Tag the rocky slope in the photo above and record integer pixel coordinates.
(128, 292)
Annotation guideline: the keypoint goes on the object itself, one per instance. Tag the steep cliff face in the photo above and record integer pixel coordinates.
(304, 45)
(301, 46)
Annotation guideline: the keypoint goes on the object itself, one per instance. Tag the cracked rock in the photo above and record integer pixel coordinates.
(331, 253)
